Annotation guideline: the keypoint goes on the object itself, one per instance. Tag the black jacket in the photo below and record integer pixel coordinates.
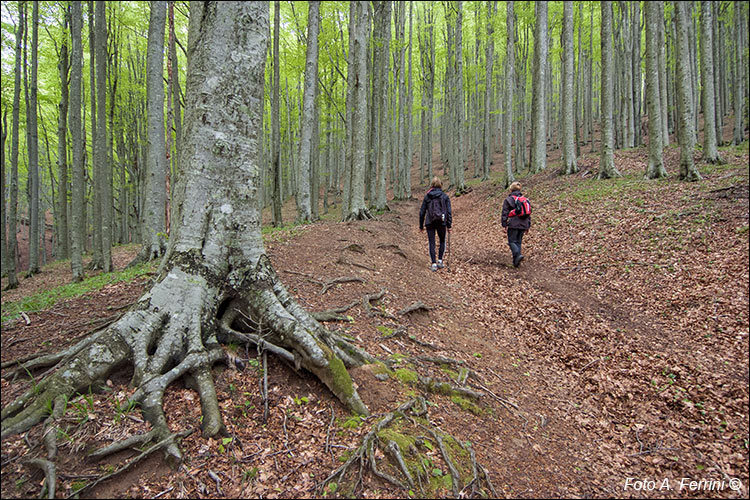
(432, 194)
(514, 222)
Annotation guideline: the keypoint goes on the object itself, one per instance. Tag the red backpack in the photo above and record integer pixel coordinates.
(522, 207)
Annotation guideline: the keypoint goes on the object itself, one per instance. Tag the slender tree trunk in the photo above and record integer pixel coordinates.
(103, 166)
(740, 73)
(62, 150)
(637, 78)
(655, 167)
(539, 91)
(3, 240)
(408, 115)
(510, 53)
(489, 62)
(311, 81)
(154, 225)
(360, 33)
(607, 167)
(33, 136)
(686, 136)
(710, 149)
(568, 147)
(460, 107)
(662, 65)
(275, 121)
(78, 206)
(382, 51)
(13, 195)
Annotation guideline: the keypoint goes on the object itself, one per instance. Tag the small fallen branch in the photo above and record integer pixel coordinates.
(344, 279)
(342, 260)
(413, 307)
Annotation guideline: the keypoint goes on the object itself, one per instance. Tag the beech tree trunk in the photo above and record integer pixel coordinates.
(13, 194)
(154, 224)
(510, 85)
(686, 135)
(655, 168)
(539, 91)
(33, 145)
(710, 146)
(63, 251)
(359, 32)
(607, 167)
(740, 74)
(216, 273)
(77, 189)
(304, 212)
(568, 146)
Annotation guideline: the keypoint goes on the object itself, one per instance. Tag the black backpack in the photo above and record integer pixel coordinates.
(436, 211)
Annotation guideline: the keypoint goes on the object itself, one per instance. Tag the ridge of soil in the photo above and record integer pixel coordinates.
(620, 348)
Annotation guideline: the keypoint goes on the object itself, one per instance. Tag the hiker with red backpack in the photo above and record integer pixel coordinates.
(437, 217)
(516, 219)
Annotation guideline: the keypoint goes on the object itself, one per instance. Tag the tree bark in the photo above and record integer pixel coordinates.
(510, 85)
(539, 91)
(33, 147)
(607, 167)
(104, 167)
(710, 146)
(77, 224)
(13, 194)
(275, 121)
(382, 50)
(460, 160)
(360, 33)
(63, 249)
(154, 224)
(655, 168)
(686, 135)
(308, 103)
(740, 73)
(568, 146)
(489, 62)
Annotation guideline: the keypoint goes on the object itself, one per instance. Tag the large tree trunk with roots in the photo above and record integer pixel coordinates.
(216, 283)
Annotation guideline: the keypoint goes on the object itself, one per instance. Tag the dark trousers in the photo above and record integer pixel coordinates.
(514, 241)
(431, 239)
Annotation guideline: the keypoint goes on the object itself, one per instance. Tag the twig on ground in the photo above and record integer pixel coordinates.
(413, 307)
(25, 318)
(343, 279)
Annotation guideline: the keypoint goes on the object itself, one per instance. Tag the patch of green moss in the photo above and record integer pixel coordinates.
(466, 405)
(341, 379)
(407, 376)
(404, 441)
(378, 367)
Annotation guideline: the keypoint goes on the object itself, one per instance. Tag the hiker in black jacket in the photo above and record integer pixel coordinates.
(436, 216)
(514, 225)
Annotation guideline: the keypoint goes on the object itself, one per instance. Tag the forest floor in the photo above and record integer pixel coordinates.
(617, 352)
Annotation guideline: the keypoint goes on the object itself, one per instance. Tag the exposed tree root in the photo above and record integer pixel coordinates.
(371, 311)
(413, 307)
(360, 214)
(175, 331)
(50, 474)
(407, 436)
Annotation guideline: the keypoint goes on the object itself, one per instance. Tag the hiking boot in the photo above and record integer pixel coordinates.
(434, 267)
(517, 260)
(440, 264)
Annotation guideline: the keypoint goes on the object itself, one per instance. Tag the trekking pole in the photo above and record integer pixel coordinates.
(447, 251)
